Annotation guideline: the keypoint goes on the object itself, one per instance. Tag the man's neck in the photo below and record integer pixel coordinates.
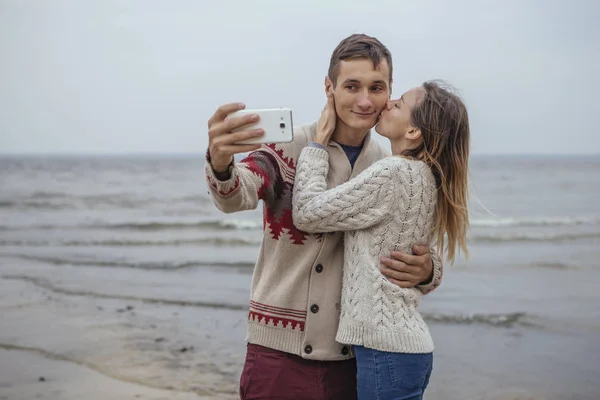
(344, 134)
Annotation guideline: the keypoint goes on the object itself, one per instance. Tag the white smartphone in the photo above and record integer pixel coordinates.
(276, 122)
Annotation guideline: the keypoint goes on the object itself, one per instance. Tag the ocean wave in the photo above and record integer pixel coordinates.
(533, 237)
(506, 320)
(54, 201)
(164, 265)
(554, 265)
(217, 225)
(499, 320)
(47, 195)
(46, 284)
(220, 242)
(534, 221)
(229, 224)
(35, 205)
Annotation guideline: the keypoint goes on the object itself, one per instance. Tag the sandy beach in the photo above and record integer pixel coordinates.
(61, 340)
(63, 345)
(68, 381)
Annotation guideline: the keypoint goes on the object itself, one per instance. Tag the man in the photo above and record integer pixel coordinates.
(296, 286)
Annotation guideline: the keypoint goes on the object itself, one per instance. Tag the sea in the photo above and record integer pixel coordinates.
(122, 264)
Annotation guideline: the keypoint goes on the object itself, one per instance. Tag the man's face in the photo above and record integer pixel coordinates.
(361, 93)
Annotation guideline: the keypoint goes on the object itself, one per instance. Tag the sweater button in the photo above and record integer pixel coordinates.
(319, 268)
(314, 308)
(308, 349)
(345, 350)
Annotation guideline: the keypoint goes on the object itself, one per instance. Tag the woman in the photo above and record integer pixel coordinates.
(417, 195)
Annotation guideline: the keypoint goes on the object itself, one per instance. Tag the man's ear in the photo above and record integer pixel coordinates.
(328, 85)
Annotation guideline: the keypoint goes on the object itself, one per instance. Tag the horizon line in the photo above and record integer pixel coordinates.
(202, 154)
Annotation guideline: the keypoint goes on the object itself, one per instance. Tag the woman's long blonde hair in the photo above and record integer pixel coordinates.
(442, 117)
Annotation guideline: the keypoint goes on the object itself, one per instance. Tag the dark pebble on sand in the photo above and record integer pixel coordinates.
(100, 308)
(160, 339)
(42, 379)
(184, 349)
(129, 308)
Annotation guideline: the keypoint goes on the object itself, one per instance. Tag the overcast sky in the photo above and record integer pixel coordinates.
(114, 76)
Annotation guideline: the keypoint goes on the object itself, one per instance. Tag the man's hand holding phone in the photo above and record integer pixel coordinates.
(223, 142)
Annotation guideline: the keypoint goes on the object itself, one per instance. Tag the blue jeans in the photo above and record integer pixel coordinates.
(391, 376)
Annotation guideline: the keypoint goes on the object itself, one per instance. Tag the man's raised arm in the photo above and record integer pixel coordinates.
(238, 186)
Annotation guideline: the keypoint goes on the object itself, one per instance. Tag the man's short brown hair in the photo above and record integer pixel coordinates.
(358, 46)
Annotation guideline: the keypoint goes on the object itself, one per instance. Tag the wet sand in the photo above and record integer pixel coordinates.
(87, 346)
(29, 374)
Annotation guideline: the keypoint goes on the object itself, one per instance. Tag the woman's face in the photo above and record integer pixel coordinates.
(395, 119)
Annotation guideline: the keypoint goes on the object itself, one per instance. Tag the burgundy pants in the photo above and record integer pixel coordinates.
(275, 375)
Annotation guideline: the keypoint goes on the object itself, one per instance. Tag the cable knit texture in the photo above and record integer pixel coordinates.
(389, 206)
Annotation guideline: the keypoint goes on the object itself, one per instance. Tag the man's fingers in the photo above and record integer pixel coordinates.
(399, 265)
(237, 122)
(402, 284)
(223, 111)
(230, 124)
(420, 250)
(225, 146)
(236, 137)
(399, 276)
(406, 258)
(240, 148)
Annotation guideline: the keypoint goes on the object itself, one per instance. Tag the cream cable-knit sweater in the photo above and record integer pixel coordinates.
(389, 206)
